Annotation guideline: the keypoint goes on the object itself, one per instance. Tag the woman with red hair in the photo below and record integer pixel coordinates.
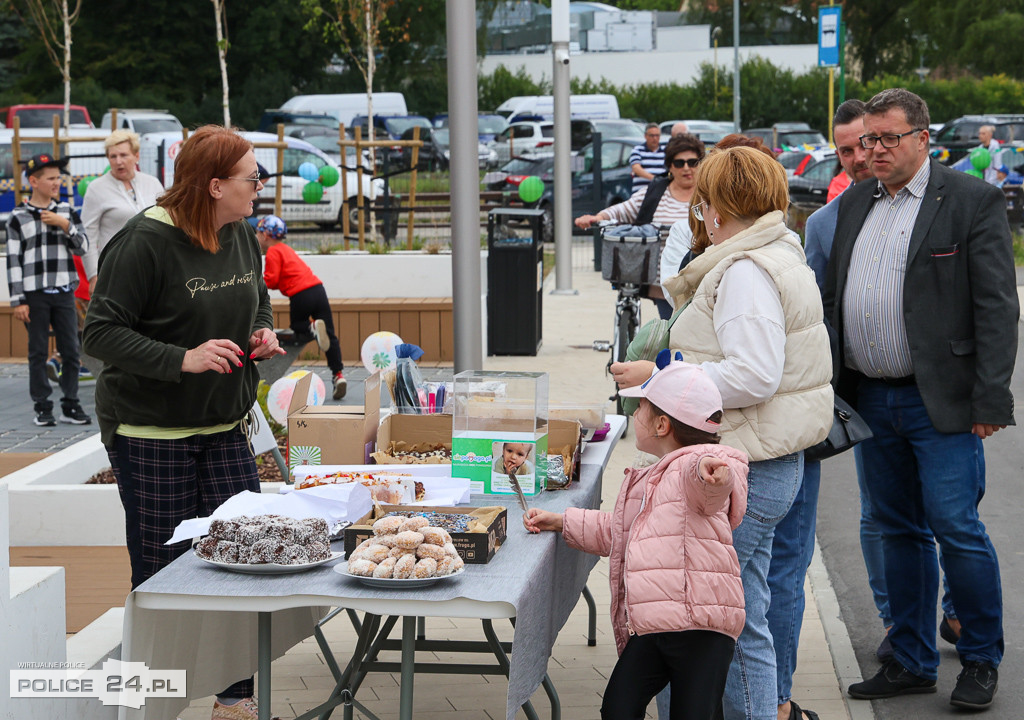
(179, 315)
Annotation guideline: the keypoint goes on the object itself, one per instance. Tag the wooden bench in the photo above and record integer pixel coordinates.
(426, 322)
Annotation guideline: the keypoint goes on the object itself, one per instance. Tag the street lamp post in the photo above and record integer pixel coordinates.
(715, 34)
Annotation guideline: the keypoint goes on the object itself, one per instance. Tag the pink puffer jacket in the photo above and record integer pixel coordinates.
(669, 540)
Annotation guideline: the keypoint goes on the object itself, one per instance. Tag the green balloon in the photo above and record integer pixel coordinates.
(530, 189)
(83, 184)
(975, 172)
(981, 158)
(329, 176)
(312, 192)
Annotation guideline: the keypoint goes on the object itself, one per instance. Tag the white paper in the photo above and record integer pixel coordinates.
(334, 503)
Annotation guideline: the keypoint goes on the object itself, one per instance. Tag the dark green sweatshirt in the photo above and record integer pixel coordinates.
(159, 295)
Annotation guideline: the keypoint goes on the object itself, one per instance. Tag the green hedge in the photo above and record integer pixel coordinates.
(769, 94)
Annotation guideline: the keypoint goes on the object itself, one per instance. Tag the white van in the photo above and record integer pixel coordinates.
(345, 106)
(159, 150)
(584, 107)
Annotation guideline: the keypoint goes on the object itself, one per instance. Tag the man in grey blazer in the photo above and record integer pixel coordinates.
(921, 290)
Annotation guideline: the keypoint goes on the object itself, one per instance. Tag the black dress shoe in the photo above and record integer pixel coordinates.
(975, 686)
(947, 633)
(892, 680)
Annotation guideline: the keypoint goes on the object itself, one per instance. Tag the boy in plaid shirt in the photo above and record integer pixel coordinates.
(43, 235)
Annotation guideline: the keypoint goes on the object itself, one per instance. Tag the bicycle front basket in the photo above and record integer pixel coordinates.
(630, 259)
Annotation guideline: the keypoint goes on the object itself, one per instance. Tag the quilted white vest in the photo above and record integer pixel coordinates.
(799, 414)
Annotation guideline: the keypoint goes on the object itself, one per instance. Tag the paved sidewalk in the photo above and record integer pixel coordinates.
(301, 678)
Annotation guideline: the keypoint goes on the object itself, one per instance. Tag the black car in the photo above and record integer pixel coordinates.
(434, 153)
(811, 186)
(958, 137)
(616, 179)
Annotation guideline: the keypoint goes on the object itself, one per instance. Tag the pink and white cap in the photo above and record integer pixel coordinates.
(683, 391)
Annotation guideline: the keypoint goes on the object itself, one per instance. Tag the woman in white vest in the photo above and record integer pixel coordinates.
(753, 322)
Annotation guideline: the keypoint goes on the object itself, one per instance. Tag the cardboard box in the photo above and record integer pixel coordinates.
(332, 434)
(414, 430)
(474, 547)
(564, 439)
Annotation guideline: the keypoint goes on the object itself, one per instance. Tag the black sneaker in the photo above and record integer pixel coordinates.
(975, 686)
(44, 418)
(74, 414)
(892, 680)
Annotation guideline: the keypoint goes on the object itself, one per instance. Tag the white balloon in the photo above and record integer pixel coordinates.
(279, 398)
(378, 351)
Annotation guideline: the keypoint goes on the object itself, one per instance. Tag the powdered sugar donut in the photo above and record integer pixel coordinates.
(397, 552)
(385, 568)
(414, 523)
(425, 568)
(444, 567)
(387, 525)
(362, 567)
(375, 553)
(408, 539)
(435, 535)
(450, 550)
(387, 541)
(426, 550)
(404, 567)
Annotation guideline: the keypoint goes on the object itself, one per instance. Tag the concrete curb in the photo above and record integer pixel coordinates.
(839, 644)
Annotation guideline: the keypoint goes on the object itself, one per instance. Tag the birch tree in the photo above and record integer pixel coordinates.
(53, 19)
(220, 17)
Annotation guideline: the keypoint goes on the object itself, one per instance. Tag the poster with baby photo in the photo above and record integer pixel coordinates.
(512, 457)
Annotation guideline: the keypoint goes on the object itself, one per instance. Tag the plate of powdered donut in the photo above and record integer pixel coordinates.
(403, 552)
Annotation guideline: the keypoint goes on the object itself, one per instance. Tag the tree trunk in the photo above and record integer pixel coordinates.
(222, 53)
(67, 66)
(367, 11)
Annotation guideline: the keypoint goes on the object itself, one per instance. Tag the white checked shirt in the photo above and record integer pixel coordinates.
(874, 329)
(39, 256)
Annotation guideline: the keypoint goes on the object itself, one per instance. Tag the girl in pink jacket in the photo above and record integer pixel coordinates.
(677, 599)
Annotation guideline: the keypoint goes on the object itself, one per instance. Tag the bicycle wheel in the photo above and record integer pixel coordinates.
(624, 334)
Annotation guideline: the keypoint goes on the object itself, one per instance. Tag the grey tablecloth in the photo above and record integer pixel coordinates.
(537, 574)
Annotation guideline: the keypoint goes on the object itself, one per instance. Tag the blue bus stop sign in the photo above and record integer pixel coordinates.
(828, 36)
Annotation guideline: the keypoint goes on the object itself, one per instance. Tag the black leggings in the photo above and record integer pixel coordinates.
(313, 301)
(695, 662)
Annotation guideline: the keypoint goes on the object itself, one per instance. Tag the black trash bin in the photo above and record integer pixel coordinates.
(515, 275)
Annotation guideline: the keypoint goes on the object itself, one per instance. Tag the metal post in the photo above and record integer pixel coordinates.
(736, 64)
(263, 661)
(563, 181)
(408, 673)
(465, 184)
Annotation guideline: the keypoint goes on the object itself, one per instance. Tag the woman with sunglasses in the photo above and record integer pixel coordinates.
(665, 201)
(179, 315)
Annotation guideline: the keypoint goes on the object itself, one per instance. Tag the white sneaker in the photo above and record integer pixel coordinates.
(319, 330)
(340, 386)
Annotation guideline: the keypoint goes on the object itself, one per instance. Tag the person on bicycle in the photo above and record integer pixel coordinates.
(664, 201)
(754, 323)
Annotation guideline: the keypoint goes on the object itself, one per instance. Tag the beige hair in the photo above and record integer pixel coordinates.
(122, 136)
(743, 183)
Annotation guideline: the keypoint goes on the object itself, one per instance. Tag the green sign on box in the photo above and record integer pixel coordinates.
(483, 461)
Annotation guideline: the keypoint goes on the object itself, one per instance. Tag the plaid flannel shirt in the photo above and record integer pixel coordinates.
(39, 256)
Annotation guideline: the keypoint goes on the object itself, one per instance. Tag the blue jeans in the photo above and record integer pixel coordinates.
(750, 688)
(792, 549)
(926, 486)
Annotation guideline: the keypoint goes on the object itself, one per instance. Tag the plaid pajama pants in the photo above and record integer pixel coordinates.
(163, 482)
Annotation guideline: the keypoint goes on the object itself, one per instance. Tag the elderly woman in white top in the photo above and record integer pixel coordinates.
(115, 197)
(753, 322)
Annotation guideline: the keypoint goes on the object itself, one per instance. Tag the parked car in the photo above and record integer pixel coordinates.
(394, 125)
(616, 179)
(271, 118)
(142, 120)
(788, 136)
(582, 131)
(696, 127)
(488, 125)
(796, 161)
(435, 154)
(521, 137)
(958, 137)
(811, 186)
(38, 115)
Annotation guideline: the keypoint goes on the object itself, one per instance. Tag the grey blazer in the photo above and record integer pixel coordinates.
(959, 298)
